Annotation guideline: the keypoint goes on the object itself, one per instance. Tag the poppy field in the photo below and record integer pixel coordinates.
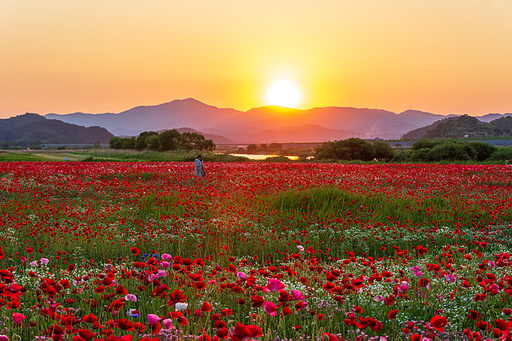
(255, 251)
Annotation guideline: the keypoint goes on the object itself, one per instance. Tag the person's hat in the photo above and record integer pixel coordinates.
(199, 156)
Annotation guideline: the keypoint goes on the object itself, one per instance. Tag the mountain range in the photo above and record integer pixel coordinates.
(33, 129)
(261, 125)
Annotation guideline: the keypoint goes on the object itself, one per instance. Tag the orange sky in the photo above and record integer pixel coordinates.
(441, 56)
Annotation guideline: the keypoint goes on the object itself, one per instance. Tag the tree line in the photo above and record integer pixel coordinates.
(424, 150)
(436, 150)
(167, 140)
(354, 149)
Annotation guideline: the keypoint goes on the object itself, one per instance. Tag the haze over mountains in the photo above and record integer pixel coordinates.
(261, 125)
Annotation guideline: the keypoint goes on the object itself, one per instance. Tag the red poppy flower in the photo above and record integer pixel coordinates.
(482, 325)
(423, 282)
(438, 322)
(480, 297)
(392, 314)
(223, 333)
(226, 312)
(491, 277)
(86, 334)
(124, 324)
(135, 250)
(139, 327)
(503, 325)
(220, 324)
(330, 337)
(415, 337)
(90, 318)
(206, 307)
(474, 315)
(358, 310)
(248, 331)
(257, 301)
(176, 296)
(155, 328)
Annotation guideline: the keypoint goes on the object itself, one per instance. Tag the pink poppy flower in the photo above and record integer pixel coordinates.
(270, 308)
(167, 323)
(450, 278)
(18, 318)
(153, 319)
(273, 285)
(297, 295)
(131, 298)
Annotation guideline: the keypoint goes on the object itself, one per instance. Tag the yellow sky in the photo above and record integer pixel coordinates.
(441, 56)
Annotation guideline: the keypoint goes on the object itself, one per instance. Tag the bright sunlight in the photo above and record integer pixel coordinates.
(283, 93)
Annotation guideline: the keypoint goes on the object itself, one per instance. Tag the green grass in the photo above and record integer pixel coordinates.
(119, 156)
(9, 157)
(150, 156)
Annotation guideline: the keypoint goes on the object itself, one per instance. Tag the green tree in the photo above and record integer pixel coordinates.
(421, 155)
(451, 151)
(383, 151)
(275, 147)
(424, 143)
(152, 142)
(502, 154)
(208, 145)
(350, 149)
(360, 149)
(6, 144)
(252, 148)
(116, 142)
(140, 142)
(128, 143)
(196, 141)
(169, 139)
(483, 150)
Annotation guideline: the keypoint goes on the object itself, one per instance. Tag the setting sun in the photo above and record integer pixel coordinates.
(283, 93)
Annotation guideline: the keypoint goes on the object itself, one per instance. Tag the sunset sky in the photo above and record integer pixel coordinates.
(440, 56)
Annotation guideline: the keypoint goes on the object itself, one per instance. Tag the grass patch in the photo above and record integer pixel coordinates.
(9, 157)
(150, 156)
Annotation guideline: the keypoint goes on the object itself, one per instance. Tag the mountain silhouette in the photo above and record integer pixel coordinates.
(33, 129)
(265, 124)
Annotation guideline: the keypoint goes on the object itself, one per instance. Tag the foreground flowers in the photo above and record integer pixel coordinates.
(336, 252)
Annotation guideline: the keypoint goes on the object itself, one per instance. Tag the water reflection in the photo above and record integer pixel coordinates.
(263, 157)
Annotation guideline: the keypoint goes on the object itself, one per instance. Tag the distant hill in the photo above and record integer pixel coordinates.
(257, 125)
(458, 127)
(419, 133)
(33, 129)
(491, 117)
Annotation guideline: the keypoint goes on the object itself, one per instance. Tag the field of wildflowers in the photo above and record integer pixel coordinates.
(255, 251)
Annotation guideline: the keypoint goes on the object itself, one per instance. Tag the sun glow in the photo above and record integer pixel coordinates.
(283, 93)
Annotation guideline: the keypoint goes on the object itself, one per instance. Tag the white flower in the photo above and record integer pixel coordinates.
(181, 306)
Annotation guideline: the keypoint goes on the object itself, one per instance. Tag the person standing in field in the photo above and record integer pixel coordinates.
(199, 168)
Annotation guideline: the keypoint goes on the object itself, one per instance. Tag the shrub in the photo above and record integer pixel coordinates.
(501, 154)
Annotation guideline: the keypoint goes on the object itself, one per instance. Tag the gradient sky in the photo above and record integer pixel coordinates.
(95, 56)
